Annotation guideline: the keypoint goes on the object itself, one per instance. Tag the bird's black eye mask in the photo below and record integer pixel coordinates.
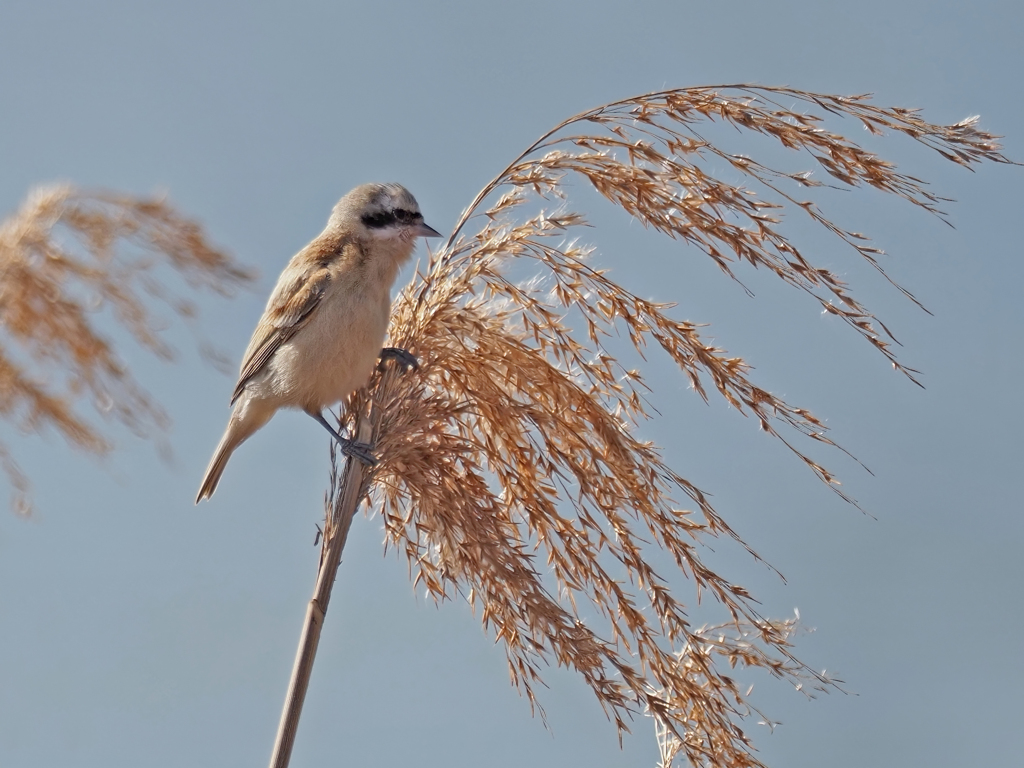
(383, 219)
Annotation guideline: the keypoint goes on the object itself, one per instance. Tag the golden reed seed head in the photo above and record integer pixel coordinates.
(510, 471)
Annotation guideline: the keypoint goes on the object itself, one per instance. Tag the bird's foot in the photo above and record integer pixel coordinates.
(404, 357)
(357, 451)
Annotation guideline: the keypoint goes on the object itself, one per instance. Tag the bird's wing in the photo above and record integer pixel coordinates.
(289, 308)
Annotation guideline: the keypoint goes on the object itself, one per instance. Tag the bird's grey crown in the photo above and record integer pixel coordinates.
(391, 204)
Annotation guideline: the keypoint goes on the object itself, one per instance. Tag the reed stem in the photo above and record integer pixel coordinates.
(352, 489)
(335, 534)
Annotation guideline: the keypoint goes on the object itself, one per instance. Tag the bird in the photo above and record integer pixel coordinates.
(321, 334)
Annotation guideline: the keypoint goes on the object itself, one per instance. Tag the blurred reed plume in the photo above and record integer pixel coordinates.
(510, 469)
(66, 257)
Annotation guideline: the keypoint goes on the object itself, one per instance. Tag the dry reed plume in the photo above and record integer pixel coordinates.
(66, 257)
(510, 471)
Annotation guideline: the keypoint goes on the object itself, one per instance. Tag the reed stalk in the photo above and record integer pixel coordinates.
(335, 535)
(341, 504)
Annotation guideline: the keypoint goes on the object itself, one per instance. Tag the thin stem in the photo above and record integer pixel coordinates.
(498, 180)
(335, 536)
(589, 114)
(351, 491)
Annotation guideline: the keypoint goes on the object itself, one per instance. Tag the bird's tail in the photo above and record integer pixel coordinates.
(217, 463)
(245, 419)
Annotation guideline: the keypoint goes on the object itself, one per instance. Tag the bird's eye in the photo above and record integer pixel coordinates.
(382, 219)
(378, 220)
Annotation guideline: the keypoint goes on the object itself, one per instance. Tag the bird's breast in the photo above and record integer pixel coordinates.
(334, 353)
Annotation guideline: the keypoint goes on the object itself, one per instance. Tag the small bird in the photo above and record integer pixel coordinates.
(322, 330)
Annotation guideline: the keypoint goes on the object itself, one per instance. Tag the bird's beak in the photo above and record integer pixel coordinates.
(422, 230)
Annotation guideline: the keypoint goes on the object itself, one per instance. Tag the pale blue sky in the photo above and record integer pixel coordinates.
(139, 630)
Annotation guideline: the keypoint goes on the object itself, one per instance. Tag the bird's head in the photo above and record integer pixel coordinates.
(381, 212)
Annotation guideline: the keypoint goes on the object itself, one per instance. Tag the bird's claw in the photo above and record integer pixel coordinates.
(404, 357)
(358, 451)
